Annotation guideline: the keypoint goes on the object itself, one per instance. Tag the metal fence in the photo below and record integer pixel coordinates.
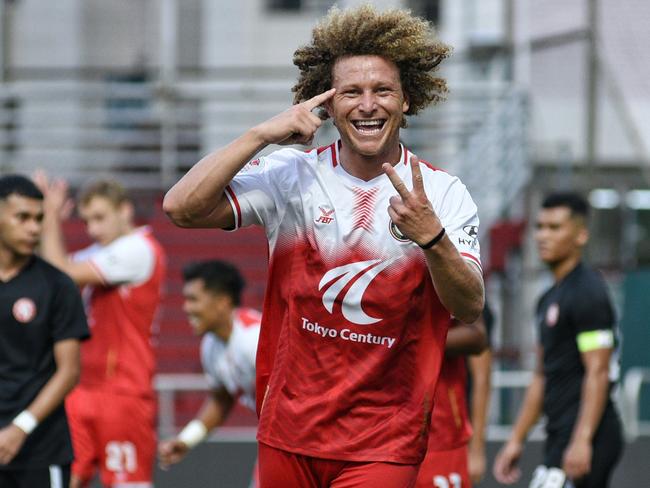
(148, 133)
(168, 385)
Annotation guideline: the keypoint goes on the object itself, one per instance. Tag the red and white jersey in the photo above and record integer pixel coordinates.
(119, 356)
(450, 423)
(231, 364)
(353, 332)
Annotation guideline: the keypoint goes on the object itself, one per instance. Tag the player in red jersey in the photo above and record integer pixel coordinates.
(370, 252)
(112, 411)
(446, 464)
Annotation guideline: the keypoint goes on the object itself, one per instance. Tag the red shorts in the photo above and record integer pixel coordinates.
(112, 433)
(445, 469)
(282, 469)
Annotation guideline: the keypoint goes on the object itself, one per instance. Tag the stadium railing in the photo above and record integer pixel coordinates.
(169, 385)
(149, 133)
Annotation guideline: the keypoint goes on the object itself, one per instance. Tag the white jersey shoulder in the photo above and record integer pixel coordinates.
(129, 259)
(231, 364)
(311, 193)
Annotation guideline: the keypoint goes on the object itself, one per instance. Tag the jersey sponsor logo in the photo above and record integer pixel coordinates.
(396, 233)
(325, 216)
(251, 165)
(471, 230)
(346, 334)
(335, 280)
(24, 310)
(552, 314)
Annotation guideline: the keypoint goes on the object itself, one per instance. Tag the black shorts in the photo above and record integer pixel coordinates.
(54, 476)
(607, 450)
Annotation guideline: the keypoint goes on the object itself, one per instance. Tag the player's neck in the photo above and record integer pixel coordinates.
(128, 229)
(224, 331)
(368, 167)
(564, 267)
(125, 231)
(11, 263)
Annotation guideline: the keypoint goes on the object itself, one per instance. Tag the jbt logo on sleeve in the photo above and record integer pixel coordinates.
(335, 280)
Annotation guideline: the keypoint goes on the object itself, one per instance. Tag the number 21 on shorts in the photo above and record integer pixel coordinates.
(452, 481)
(121, 457)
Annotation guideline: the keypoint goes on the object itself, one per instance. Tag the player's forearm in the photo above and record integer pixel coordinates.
(480, 369)
(59, 385)
(213, 414)
(464, 339)
(595, 389)
(530, 410)
(196, 195)
(52, 243)
(459, 285)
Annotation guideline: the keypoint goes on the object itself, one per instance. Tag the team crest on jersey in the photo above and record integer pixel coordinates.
(552, 314)
(326, 215)
(336, 280)
(24, 310)
(396, 233)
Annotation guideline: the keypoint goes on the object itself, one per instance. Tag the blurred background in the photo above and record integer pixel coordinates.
(544, 95)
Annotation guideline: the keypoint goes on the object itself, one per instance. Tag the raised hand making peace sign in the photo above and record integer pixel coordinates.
(296, 125)
(412, 211)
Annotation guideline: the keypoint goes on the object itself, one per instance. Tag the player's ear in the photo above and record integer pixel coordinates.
(127, 211)
(583, 236)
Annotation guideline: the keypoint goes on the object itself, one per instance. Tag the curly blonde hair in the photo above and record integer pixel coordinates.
(397, 35)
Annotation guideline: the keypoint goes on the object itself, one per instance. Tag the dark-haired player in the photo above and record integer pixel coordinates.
(573, 378)
(212, 292)
(42, 321)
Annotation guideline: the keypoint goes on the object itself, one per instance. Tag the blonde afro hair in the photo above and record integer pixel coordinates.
(396, 35)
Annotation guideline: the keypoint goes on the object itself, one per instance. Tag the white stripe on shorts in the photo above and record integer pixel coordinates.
(56, 476)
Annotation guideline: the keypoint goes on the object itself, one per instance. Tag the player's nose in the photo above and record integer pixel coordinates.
(367, 102)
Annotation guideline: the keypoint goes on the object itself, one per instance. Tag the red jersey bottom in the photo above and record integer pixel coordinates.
(112, 434)
(283, 469)
(445, 469)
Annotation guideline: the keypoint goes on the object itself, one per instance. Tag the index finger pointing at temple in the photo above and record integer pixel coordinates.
(318, 100)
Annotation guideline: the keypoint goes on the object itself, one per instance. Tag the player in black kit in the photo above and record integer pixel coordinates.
(573, 378)
(41, 323)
